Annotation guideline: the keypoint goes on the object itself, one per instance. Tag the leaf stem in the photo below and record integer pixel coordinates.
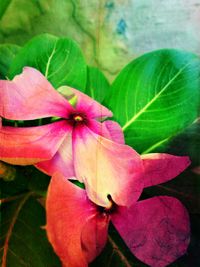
(116, 248)
(8, 199)
(10, 229)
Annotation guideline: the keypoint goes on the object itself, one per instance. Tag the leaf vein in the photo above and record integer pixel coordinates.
(128, 123)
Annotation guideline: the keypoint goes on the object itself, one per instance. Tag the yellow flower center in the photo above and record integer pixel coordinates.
(78, 118)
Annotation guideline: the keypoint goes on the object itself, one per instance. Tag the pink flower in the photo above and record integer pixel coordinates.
(81, 147)
(71, 145)
(156, 230)
(77, 145)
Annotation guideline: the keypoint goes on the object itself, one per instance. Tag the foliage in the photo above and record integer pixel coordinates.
(155, 98)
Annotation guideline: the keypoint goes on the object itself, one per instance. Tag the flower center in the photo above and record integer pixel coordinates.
(110, 209)
(77, 119)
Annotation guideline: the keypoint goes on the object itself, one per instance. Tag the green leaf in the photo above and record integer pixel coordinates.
(3, 6)
(7, 54)
(97, 84)
(18, 186)
(26, 179)
(38, 181)
(23, 242)
(59, 59)
(155, 97)
(187, 143)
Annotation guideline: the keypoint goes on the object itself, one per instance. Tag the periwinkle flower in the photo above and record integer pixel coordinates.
(156, 230)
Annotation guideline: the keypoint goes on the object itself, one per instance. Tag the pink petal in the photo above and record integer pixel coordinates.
(94, 236)
(24, 146)
(30, 96)
(159, 168)
(155, 230)
(106, 168)
(108, 129)
(89, 106)
(75, 228)
(62, 160)
(115, 131)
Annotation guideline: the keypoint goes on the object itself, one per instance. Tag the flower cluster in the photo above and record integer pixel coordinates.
(80, 144)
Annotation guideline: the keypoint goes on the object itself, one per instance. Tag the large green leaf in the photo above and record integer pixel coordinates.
(23, 242)
(156, 96)
(59, 59)
(97, 84)
(7, 54)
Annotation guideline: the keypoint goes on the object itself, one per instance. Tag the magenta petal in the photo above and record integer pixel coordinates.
(75, 229)
(156, 230)
(89, 106)
(115, 131)
(159, 168)
(62, 160)
(108, 129)
(107, 168)
(24, 146)
(30, 96)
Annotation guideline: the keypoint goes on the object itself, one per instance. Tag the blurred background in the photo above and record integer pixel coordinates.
(110, 32)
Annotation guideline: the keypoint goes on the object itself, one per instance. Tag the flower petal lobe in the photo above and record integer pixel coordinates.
(160, 168)
(91, 107)
(61, 162)
(107, 168)
(108, 129)
(70, 217)
(156, 230)
(24, 146)
(30, 96)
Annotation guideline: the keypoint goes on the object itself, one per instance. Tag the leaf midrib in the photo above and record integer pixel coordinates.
(128, 123)
(49, 60)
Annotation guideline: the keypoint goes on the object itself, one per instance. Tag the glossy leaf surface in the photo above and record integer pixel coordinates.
(97, 84)
(156, 96)
(59, 59)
